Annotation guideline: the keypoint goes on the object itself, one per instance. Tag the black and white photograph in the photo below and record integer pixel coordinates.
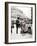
(20, 18)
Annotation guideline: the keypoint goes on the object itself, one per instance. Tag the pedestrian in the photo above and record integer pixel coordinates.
(17, 24)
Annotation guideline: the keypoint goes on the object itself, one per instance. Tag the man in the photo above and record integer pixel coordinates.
(17, 25)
